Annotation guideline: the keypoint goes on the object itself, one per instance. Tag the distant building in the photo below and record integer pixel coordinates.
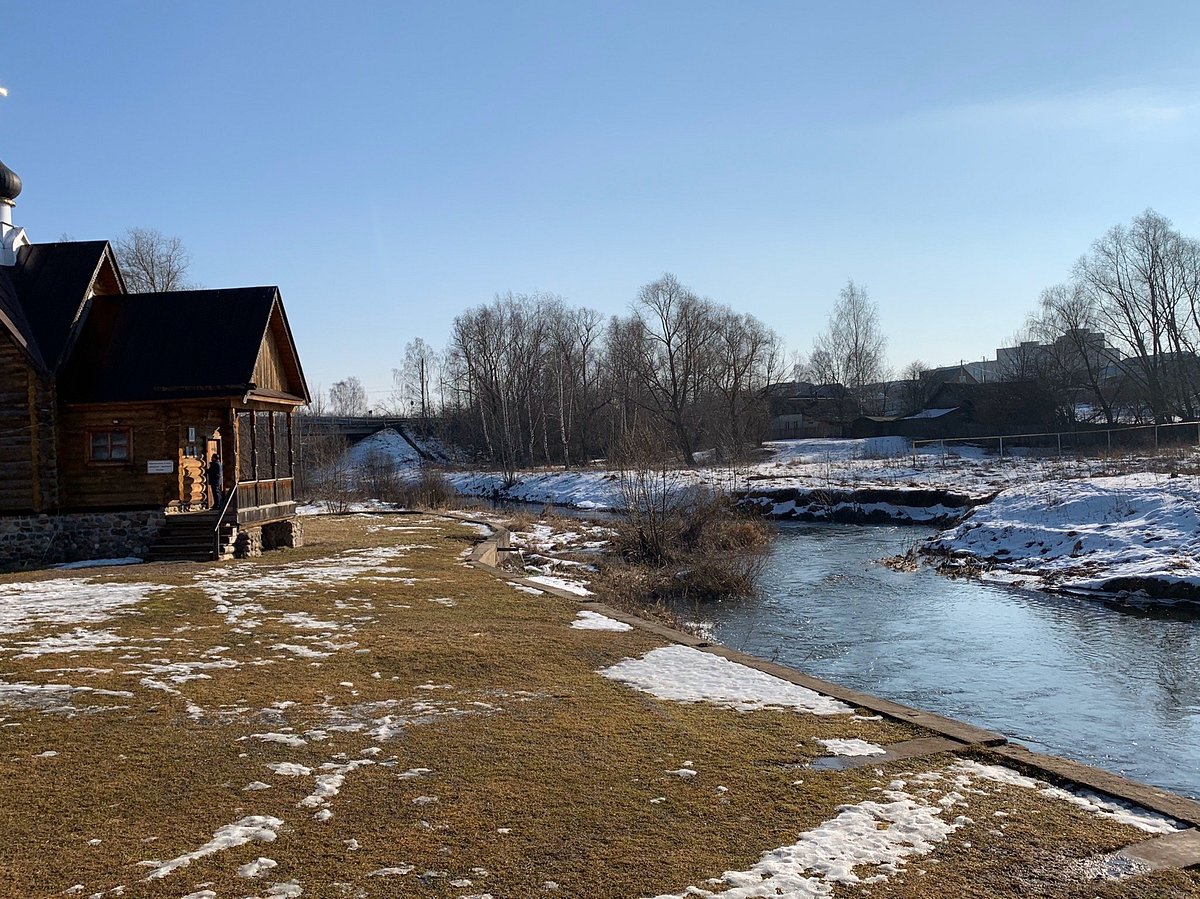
(1027, 359)
(112, 405)
(949, 374)
(803, 409)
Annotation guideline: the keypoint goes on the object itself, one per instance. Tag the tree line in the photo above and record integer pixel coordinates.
(528, 379)
(1122, 334)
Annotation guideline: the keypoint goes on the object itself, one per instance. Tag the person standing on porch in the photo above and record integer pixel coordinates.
(216, 476)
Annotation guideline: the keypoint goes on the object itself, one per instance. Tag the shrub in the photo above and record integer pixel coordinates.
(376, 477)
(431, 490)
(683, 542)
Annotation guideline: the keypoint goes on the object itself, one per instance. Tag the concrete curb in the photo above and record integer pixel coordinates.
(964, 736)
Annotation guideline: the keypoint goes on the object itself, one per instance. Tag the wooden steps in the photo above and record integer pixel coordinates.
(189, 537)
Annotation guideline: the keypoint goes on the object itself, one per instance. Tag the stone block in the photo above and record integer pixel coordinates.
(249, 543)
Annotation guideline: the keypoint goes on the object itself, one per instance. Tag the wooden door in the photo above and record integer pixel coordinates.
(193, 490)
(213, 445)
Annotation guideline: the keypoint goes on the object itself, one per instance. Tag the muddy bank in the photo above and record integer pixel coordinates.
(868, 505)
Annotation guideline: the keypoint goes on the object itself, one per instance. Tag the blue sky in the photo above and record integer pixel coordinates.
(388, 165)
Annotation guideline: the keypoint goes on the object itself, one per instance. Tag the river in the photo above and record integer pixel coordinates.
(1114, 688)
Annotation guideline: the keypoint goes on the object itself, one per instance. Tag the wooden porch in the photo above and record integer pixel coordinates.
(266, 464)
(265, 500)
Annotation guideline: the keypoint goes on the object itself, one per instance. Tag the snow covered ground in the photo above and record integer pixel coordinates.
(876, 462)
(880, 463)
(386, 444)
(1042, 522)
(1119, 534)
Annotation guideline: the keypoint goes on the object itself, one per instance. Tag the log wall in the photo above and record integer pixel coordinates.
(158, 432)
(27, 447)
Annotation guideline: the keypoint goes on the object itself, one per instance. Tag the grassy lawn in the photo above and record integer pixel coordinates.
(378, 719)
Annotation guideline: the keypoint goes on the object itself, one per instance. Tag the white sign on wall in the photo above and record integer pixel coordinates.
(160, 466)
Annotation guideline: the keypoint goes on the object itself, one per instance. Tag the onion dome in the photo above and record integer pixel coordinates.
(10, 184)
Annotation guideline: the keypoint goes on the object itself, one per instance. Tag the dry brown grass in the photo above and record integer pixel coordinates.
(563, 760)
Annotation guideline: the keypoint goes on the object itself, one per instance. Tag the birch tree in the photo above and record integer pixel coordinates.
(851, 349)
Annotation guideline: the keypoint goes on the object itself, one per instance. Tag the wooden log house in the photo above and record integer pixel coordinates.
(111, 405)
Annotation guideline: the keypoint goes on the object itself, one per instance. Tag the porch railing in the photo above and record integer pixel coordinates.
(265, 493)
(220, 520)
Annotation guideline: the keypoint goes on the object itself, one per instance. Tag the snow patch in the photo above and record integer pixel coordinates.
(852, 747)
(260, 828)
(1100, 806)
(97, 563)
(286, 739)
(256, 867)
(78, 640)
(878, 836)
(65, 601)
(594, 621)
(569, 586)
(684, 674)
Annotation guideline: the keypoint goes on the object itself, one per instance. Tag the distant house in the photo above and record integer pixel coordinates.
(928, 424)
(1009, 407)
(958, 409)
(111, 404)
(949, 374)
(802, 409)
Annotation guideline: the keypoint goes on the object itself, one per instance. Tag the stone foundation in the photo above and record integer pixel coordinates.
(30, 541)
(249, 543)
(283, 533)
(253, 540)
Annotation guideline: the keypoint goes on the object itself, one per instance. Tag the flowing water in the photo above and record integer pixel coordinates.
(1114, 688)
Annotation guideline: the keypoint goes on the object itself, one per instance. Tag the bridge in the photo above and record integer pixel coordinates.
(354, 428)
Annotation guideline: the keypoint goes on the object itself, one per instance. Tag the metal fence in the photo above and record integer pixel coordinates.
(1084, 439)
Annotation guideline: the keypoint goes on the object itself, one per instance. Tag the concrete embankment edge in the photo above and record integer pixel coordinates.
(1177, 850)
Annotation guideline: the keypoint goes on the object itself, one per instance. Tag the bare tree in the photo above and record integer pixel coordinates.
(1143, 280)
(498, 356)
(316, 404)
(797, 366)
(347, 397)
(678, 331)
(747, 360)
(532, 380)
(152, 262)
(851, 349)
(415, 380)
(915, 390)
(1024, 357)
(1077, 353)
(622, 359)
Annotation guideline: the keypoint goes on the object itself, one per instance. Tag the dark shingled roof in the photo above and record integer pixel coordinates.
(179, 345)
(12, 316)
(52, 280)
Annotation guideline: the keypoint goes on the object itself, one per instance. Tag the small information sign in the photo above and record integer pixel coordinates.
(160, 466)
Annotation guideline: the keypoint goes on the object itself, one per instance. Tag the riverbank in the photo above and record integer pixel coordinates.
(1135, 535)
(367, 715)
(1012, 520)
(1121, 526)
(1009, 659)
